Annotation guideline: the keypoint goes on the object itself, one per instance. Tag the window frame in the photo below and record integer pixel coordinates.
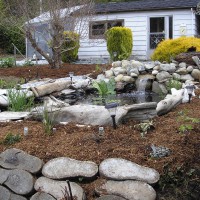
(105, 22)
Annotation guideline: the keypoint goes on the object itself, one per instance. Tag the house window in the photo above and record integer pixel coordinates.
(98, 29)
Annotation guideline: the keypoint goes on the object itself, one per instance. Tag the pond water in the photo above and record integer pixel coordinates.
(135, 97)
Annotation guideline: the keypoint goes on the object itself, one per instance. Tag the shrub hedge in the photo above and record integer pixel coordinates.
(168, 49)
(71, 43)
(119, 40)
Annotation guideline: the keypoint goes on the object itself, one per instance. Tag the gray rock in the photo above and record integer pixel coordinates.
(136, 64)
(128, 79)
(9, 116)
(149, 66)
(133, 70)
(186, 77)
(119, 70)
(18, 159)
(57, 188)
(68, 91)
(126, 63)
(4, 102)
(154, 72)
(6, 194)
(42, 196)
(134, 75)
(157, 67)
(109, 73)
(117, 64)
(168, 67)
(101, 77)
(19, 181)
(64, 167)
(163, 75)
(119, 78)
(190, 69)
(159, 88)
(121, 169)
(133, 190)
(182, 64)
(196, 74)
(182, 71)
(176, 76)
(110, 197)
(196, 60)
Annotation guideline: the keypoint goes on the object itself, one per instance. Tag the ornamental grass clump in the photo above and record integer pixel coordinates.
(168, 49)
(18, 100)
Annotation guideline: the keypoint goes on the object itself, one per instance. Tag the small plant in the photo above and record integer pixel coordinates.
(188, 122)
(185, 128)
(144, 127)
(173, 84)
(178, 182)
(105, 88)
(97, 68)
(28, 63)
(7, 84)
(18, 100)
(11, 139)
(7, 62)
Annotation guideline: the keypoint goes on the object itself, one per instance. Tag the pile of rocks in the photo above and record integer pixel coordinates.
(21, 179)
(155, 73)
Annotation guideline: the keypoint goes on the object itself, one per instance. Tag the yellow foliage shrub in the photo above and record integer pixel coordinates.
(169, 48)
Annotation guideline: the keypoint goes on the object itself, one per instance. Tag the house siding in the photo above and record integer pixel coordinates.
(138, 23)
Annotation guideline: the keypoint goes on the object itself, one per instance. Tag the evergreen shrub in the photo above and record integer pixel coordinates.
(9, 35)
(71, 45)
(119, 40)
(168, 49)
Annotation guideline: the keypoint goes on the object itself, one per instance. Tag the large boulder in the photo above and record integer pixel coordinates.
(19, 181)
(170, 101)
(6, 194)
(168, 67)
(42, 196)
(64, 167)
(163, 75)
(133, 190)
(58, 189)
(187, 57)
(18, 159)
(12, 116)
(121, 169)
(196, 74)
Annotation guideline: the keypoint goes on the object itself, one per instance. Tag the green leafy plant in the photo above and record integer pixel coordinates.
(177, 182)
(7, 84)
(144, 127)
(188, 122)
(7, 62)
(185, 128)
(105, 88)
(28, 63)
(11, 138)
(173, 84)
(18, 100)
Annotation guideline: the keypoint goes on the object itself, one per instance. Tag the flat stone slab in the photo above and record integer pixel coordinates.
(9, 116)
(121, 169)
(110, 197)
(18, 159)
(19, 181)
(42, 196)
(6, 194)
(57, 188)
(64, 167)
(132, 190)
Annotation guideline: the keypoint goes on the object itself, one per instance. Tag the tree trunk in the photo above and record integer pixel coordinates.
(56, 57)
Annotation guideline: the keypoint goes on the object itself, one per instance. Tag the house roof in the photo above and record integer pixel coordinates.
(145, 5)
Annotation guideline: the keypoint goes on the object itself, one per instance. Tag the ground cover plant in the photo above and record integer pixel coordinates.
(179, 171)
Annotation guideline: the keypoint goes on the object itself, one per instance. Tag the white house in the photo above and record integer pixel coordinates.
(150, 21)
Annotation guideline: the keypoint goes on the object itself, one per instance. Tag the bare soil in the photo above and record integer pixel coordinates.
(82, 143)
